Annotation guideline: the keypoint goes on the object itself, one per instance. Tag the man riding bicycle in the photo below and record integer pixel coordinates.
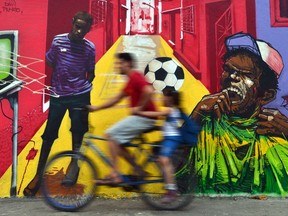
(140, 94)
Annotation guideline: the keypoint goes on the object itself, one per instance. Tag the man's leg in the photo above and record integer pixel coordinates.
(34, 185)
(79, 118)
(79, 126)
(168, 170)
(130, 159)
(73, 169)
(168, 146)
(117, 150)
(77, 139)
(123, 132)
(55, 116)
(114, 150)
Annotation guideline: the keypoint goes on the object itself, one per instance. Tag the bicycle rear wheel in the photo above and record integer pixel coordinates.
(68, 182)
(153, 190)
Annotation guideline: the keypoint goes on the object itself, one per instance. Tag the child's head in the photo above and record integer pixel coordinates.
(171, 98)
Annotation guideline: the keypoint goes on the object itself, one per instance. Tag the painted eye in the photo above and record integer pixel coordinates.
(229, 70)
(225, 68)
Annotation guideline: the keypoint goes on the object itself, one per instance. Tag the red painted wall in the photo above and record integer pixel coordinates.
(105, 34)
(191, 41)
(170, 5)
(29, 18)
(197, 51)
(37, 23)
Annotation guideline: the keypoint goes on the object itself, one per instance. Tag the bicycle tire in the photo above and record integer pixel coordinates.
(62, 193)
(152, 191)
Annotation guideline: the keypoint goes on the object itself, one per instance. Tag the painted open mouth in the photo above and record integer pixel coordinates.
(235, 95)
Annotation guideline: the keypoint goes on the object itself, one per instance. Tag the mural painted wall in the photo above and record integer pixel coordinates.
(14, 15)
(242, 146)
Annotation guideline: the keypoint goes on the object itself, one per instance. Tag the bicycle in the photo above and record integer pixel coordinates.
(81, 192)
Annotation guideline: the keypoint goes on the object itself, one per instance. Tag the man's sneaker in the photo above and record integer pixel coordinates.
(170, 196)
(71, 176)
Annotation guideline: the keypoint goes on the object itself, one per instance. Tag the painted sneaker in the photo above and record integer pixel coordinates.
(71, 176)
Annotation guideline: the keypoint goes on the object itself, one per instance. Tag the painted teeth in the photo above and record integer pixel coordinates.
(231, 89)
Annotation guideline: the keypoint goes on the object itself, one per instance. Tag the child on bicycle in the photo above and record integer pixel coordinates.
(172, 138)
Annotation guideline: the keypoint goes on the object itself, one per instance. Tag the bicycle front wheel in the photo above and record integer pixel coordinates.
(153, 190)
(68, 183)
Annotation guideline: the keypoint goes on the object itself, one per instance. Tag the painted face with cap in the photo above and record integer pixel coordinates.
(242, 72)
(240, 78)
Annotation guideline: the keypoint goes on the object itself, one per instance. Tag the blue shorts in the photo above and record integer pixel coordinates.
(169, 144)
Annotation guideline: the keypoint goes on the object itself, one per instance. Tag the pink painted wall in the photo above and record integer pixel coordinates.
(30, 19)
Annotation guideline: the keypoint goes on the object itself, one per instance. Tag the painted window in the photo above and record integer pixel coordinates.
(279, 13)
(98, 12)
(188, 19)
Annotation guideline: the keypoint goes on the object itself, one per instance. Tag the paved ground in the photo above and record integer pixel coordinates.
(203, 206)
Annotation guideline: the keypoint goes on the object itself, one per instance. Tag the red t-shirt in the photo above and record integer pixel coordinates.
(134, 89)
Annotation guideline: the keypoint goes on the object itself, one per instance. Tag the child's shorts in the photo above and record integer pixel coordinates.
(169, 144)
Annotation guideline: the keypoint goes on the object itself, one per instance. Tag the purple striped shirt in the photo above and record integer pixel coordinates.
(71, 61)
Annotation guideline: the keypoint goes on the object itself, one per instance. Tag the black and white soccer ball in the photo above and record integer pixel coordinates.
(164, 73)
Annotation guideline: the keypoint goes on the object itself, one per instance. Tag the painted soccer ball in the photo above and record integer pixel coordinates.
(164, 73)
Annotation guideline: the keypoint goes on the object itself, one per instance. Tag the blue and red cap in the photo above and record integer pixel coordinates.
(259, 47)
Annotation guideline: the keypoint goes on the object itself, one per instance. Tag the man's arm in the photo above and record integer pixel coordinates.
(153, 114)
(272, 122)
(145, 97)
(48, 62)
(91, 68)
(90, 76)
(216, 104)
(108, 104)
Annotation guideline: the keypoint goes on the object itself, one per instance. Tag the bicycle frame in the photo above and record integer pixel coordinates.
(88, 141)
(70, 198)
(127, 181)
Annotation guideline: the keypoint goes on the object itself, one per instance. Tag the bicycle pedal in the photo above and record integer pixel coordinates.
(134, 177)
(107, 182)
(128, 185)
(131, 188)
(131, 178)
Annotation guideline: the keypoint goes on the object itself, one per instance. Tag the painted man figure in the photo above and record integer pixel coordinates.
(242, 146)
(72, 58)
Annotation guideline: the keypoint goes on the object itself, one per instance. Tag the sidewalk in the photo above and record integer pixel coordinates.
(201, 206)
